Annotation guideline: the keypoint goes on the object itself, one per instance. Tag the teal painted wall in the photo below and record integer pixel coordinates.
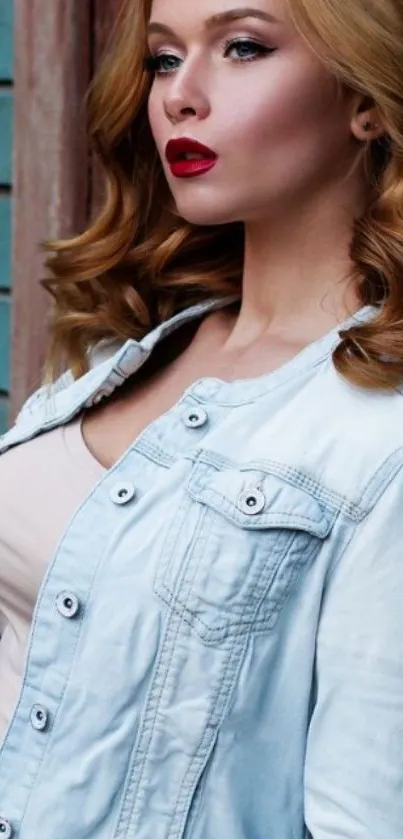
(6, 119)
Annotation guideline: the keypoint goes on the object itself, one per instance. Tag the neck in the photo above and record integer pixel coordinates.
(297, 273)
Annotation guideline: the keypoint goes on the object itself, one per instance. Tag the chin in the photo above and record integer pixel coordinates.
(206, 213)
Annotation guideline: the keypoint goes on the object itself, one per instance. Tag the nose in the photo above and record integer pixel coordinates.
(186, 99)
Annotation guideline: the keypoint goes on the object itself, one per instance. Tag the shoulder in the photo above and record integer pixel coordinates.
(358, 436)
(102, 355)
(375, 417)
(43, 394)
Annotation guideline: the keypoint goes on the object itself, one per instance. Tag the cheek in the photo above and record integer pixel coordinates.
(156, 118)
(273, 118)
(278, 109)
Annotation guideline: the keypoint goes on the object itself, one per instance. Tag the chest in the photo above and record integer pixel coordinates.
(179, 361)
(110, 428)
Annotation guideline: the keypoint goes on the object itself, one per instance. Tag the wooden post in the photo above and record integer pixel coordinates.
(51, 189)
(105, 14)
(6, 112)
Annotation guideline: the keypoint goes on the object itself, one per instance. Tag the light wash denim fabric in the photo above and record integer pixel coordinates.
(217, 648)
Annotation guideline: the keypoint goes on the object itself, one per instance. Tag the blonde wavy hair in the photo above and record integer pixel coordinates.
(138, 262)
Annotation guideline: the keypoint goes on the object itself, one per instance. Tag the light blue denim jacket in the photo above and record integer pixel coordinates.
(217, 647)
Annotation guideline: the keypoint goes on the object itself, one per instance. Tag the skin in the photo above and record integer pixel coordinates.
(286, 143)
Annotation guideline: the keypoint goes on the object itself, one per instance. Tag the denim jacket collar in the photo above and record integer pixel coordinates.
(111, 363)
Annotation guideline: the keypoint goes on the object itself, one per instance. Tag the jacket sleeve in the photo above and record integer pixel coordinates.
(354, 757)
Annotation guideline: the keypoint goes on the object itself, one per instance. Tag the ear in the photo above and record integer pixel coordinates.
(366, 123)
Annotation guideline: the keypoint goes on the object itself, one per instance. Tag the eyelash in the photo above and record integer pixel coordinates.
(153, 63)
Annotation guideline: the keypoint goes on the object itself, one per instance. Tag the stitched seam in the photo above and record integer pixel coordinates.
(387, 479)
(353, 510)
(195, 770)
(172, 540)
(129, 811)
(271, 387)
(289, 474)
(295, 572)
(226, 685)
(252, 523)
(137, 806)
(157, 454)
(234, 627)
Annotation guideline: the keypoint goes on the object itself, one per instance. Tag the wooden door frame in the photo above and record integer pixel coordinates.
(50, 163)
(57, 45)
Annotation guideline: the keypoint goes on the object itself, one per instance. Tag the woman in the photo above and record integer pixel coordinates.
(201, 521)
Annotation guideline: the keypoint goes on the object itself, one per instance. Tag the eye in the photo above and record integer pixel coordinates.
(245, 49)
(162, 63)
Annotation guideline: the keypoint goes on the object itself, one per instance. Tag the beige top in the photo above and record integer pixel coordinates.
(42, 482)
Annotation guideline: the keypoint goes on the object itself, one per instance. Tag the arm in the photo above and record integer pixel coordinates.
(354, 759)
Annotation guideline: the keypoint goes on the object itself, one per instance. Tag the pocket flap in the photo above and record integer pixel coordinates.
(256, 497)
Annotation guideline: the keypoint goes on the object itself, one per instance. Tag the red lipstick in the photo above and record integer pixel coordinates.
(188, 158)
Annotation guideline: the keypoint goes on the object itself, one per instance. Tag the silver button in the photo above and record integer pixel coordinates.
(122, 492)
(6, 831)
(251, 501)
(195, 417)
(39, 717)
(67, 604)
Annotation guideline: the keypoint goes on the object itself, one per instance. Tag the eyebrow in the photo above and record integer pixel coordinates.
(219, 20)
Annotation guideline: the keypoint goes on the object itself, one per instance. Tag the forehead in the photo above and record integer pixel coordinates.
(199, 12)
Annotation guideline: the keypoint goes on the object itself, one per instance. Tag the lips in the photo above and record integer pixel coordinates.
(188, 158)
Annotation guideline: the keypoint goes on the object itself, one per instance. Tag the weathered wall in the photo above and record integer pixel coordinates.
(51, 70)
(56, 45)
(6, 108)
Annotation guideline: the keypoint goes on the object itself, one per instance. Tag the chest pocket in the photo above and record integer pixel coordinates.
(236, 547)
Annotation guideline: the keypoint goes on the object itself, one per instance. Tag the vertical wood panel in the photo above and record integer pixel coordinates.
(4, 344)
(6, 40)
(6, 120)
(3, 415)
(52, 67)
(5, 242)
